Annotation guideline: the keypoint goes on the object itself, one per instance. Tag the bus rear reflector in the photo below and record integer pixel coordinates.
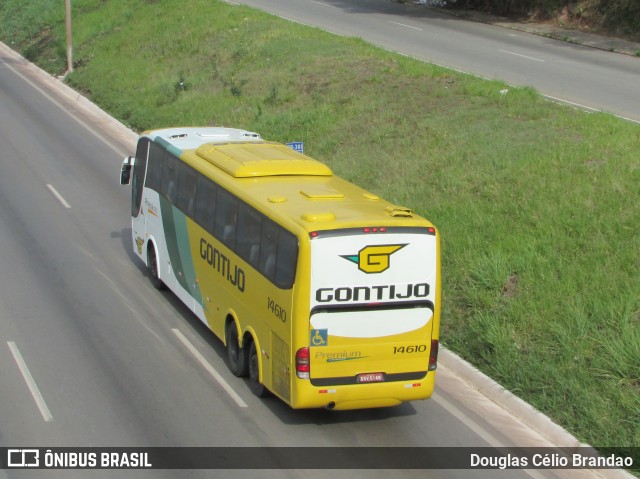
(433, 356)
(303, 363)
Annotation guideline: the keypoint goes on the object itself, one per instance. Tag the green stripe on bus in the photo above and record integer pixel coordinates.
(166, 210)
(188, 278)
(168, 146)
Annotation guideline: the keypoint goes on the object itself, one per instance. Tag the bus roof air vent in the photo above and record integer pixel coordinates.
(226, 134)
(321, 193)
(262, 158)
(189, 138)
(317, 217)
(400, 211)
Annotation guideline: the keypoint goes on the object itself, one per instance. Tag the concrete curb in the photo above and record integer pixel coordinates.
(67, 93)
(524, 411)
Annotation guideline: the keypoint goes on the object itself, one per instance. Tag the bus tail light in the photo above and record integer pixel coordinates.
(433, 355)
(303, 363)
(375, 229)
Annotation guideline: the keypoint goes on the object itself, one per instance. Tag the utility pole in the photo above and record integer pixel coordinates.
(67, 4)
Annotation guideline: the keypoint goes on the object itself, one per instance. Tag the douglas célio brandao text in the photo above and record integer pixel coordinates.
(549, 461)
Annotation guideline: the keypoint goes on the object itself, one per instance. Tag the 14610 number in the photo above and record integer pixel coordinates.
(417, 348)
(277, 310)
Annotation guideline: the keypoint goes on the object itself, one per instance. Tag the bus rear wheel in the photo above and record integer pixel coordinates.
(254, 373)
(152, 265)
(236, 355)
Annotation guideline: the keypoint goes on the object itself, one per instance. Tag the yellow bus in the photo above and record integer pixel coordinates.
(324, 294)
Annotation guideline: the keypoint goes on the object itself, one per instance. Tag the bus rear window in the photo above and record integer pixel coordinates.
(287, 258)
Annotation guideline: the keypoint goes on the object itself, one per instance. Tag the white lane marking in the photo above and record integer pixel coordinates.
(477, 428)
(31, 384)
(58, 196)
(520, 55)
(467, 421)
(404, 25)
(584, 107)
(210, 369)
(549, 97)
(321, 3)
(628, 119)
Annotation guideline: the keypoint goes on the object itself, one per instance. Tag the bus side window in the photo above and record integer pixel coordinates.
(224, 227)
(248, 241)
(170, 177)
(186, 190)
(287, 259)
(154, 170)
(139, 168)
(205, 203)
(268, 249)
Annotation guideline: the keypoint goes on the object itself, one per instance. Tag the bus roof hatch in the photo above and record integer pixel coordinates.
(256, 159)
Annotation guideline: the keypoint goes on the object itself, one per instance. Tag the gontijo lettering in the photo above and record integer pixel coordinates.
(391, 292)
(222, 264)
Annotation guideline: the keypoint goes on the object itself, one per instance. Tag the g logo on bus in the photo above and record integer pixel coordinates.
(374, 259)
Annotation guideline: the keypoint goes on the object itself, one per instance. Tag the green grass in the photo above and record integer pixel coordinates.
(538, 205)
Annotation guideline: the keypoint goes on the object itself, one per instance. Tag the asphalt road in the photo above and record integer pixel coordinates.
(587, 77)
(92, 355)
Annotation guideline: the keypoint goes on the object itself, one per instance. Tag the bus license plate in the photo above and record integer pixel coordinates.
(370, 377)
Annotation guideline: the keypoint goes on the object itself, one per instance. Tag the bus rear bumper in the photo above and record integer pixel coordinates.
(364, 396)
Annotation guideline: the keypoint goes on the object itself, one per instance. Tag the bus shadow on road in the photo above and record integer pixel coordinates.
(322, 417)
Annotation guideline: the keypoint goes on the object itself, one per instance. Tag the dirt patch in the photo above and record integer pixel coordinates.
(510, 287)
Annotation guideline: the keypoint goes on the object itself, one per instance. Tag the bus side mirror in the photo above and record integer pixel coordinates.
(125, 172)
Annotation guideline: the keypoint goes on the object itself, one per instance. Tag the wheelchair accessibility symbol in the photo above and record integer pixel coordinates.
(319, 337)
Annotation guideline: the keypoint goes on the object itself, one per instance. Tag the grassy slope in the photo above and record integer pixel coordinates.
(538, 205)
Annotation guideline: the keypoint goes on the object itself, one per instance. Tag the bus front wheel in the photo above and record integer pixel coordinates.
(254, 373)
(152, 265)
